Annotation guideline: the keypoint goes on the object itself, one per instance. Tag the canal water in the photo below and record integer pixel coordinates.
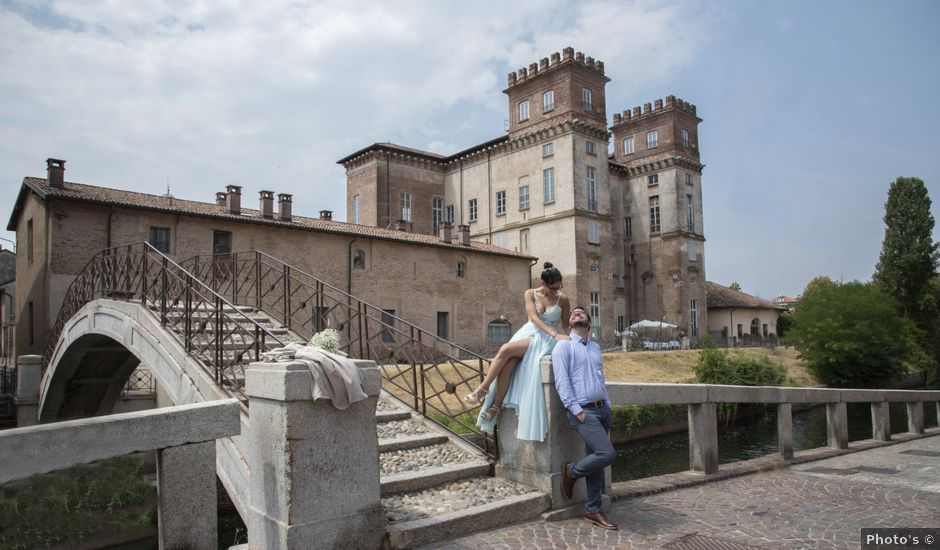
(751, 437)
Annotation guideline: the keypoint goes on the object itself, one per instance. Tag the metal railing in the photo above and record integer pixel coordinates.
(423, 370)
(210, 328)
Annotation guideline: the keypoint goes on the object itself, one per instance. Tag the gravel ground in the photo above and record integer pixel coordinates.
(400, 428)
(407, 460)
(449, 497)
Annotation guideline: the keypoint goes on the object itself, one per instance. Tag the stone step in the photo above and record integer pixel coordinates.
(383, 417)
(410, 442)
(418, 479)
(458, 508)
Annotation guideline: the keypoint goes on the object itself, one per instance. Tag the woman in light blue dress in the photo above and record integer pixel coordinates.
(521, 388)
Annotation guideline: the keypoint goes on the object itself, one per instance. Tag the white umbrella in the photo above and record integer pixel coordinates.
(651, 324)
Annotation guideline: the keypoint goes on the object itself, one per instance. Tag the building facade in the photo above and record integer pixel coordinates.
(736, 317)
(452, 287)
(624, 226)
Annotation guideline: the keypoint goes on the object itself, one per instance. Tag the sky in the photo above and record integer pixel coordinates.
(810, 109)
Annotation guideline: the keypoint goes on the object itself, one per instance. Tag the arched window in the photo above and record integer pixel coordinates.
(359, 259)
(755, 326)
(461, 269)
(498, 332)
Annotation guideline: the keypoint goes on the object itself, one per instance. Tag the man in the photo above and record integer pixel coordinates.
(579, 379)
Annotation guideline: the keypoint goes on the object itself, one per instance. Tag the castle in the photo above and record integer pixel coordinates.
(625, 227)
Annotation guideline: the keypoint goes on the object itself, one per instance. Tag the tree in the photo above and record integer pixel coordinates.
(908, 260)
(735, 286)
(851, 335)
(814, 285)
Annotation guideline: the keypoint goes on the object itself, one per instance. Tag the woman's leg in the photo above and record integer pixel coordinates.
(502, 386)
(509, 350)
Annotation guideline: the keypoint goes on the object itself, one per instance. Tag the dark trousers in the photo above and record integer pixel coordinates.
(600, 453)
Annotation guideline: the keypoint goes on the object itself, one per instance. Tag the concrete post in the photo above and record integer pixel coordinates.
(915, 417)
(938, 413)
(703, 438)
(785, 430)
(837, 425)
(314, 468)
(186, 495)
(880, 421)
(28, 379)
(538, 464)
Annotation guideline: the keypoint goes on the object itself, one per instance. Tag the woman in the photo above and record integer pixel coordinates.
(548, 311)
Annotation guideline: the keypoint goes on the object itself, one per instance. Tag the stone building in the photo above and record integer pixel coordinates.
(624, 226)
(735, 316)
(450, 286)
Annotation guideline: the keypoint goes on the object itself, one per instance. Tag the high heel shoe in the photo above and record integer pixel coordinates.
(475, 397)
(490, 413)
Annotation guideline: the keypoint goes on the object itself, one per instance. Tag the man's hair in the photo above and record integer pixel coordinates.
(582, 308)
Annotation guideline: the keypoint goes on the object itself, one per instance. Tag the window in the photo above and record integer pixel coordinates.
(684, 138)
(652, 179)
(524, 197)
(586, 99)
(693, 251)
(523, 111)
(443, 324)
(591, 189)
(437, 212)
(548, 182)
(461, 269)
(359, 259)
(590, 148)
(450, 213)
(654, 214)
(628, 147)
(691, 213)
(406, 206)
(29, 243)
(628, 227)
(500, 203)
(652, 139)
(594, 233)
(693, 318)
(388, 321)
(548, 101)
(355, 209)
(160, 239)
(548, 150)
(221, 242)
(497, 332)
(740, 330)
(688, 179)
(472, 207)
(501, 240)
(595, 314)
(524, 240)
(620, 326)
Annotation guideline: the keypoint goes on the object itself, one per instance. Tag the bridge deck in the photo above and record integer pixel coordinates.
(817, 502)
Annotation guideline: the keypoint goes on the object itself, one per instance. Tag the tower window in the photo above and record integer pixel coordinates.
(548, 182)
(590, 148)
(548, 149)
(628, 227)
(524, 197)
(450, 213)
(628, 147)
(548, 101)
(594, 233)
(654, 215)
(652, 179)
(472, 207)
(688, 179)
(693, 251)
(691, 214)
(500, 203)
(355, 209)
(437, 212)
(652, 139)
(684, 137)
(591, 189)
(406, 206)
(595, 314)
(693, 318)
(586, 100)
(523, 111)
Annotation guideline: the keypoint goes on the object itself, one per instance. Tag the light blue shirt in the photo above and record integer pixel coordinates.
(579, 376)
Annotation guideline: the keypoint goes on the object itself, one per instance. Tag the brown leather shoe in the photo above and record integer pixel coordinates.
(600, 520)
(567, 480)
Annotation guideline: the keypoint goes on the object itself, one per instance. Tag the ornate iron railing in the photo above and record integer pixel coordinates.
(421, 369)
(210, 328)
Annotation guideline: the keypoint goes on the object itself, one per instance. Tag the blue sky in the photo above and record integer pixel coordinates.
(810, 109)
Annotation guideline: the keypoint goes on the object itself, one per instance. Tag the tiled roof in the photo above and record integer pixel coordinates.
(718, 296)
(171, 205)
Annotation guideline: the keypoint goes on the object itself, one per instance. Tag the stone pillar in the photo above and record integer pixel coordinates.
(938, 413)
(186, 495)
(837, 425)
(314, 468)
(28, 379)
(703, 438)
(880, 421)
(538, 464)
(785, 430)
(915, 417)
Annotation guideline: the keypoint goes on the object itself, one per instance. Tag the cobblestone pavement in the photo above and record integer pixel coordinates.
(818, 505)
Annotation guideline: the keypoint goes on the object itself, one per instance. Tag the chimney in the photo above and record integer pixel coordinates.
(401, 225)
(447, 230)
(326, 215)
(56, 171)
(233, 199)
(220, 198)
(284, 202)
(267, 204)
(464, 234)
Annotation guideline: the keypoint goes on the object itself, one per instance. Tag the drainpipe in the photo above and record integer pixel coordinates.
(388, 193)
(349, 268)
(110, 213)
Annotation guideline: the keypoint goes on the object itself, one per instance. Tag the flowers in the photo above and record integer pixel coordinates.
(327, 340)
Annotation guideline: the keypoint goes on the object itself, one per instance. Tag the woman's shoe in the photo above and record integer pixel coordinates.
(475, 397)
(490, 413)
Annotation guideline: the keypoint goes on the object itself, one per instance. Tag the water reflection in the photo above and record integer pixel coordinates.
(751, 437)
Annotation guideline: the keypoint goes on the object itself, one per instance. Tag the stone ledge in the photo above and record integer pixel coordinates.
(429, 477)
(411, 442)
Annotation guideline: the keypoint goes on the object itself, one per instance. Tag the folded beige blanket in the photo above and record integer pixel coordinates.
(334, 377)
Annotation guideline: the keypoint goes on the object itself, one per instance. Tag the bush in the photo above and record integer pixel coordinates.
(719, 367)
(627, 418)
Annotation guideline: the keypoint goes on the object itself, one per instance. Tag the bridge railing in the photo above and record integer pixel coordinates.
(210, 328)
(423, 370)
(702, 400)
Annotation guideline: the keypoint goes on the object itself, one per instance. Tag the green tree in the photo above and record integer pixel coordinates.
(814, 285)
(735, 286)
(851, 335)
(908, 260)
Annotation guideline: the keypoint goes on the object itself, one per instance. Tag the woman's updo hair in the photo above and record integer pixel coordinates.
(550, 275)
